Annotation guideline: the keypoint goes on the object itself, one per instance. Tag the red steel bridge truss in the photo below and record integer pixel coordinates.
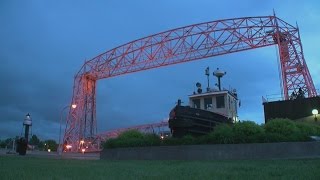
(181, 45)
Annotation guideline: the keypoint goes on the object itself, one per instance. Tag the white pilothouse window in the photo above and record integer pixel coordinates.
(208, 103)
(196, 103)
(220, 102)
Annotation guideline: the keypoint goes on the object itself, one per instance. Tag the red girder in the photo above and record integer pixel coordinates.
(186, 44)
(183, 44)
(144, 128)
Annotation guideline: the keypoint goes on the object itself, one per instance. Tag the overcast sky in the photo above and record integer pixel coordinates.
(44, 43)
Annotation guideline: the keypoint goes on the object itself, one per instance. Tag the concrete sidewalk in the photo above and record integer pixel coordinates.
(53, 155)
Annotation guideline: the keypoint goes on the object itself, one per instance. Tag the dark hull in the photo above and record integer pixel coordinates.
(185, 120)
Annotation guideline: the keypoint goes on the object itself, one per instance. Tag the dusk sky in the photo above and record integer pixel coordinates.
(43, 44)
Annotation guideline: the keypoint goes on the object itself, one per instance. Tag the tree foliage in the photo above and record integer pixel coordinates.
(34, 140)
(50, 144)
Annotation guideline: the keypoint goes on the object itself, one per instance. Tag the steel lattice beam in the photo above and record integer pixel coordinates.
(186, 44)
(151, 128)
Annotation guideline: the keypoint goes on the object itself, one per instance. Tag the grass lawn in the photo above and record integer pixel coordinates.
(15, 167)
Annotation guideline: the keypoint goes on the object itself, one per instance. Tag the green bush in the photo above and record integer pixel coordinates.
(276, 130)
(187, 140)
(222, 134)
(284, 127)
(110, 143)
(285, 130)
(133, 138)
(202, 139)
(317, 128)
(242, 132)
(274, 137)
(152, 140)
(131, 134)
(306, 128)
(130, 138)
(248, 132)
(171, 141)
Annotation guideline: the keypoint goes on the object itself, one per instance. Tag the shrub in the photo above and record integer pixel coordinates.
(317, 128)
(133, 138)
(306, 128)
(204, 139)
(274, 137)
(285, 130)
(131, 142)
(222, 134)
(187, 140)
(283, 127)
(151, 140)
(276, 130)
(130, 134)
(171, 141)
(110, 143)
(248, 132)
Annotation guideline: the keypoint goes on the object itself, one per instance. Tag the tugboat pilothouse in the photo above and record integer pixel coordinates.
(205, 110)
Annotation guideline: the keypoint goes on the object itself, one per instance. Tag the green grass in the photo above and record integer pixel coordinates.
(15, 167)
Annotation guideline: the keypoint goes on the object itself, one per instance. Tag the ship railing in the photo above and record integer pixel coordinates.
(278, 97)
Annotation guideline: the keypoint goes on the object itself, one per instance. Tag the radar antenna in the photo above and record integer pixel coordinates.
(219, 74)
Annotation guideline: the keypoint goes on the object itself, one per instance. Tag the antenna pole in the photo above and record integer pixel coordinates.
(207, 74)
(208, 83)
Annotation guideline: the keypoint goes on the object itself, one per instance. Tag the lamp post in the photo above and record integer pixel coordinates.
(315, 112)
(73, 106)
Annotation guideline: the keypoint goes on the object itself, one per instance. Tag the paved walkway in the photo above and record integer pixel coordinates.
(53, 155)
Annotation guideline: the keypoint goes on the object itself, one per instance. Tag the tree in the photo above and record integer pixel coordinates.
(41, 146)
(50, 144)
(34, 140)
(8, 143)
(2, 144)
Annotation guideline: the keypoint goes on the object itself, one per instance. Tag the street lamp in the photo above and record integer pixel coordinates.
(315, 112)
(82, 142)
(73, 106)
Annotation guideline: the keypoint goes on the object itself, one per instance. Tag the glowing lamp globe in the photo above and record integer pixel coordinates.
(315, 112)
